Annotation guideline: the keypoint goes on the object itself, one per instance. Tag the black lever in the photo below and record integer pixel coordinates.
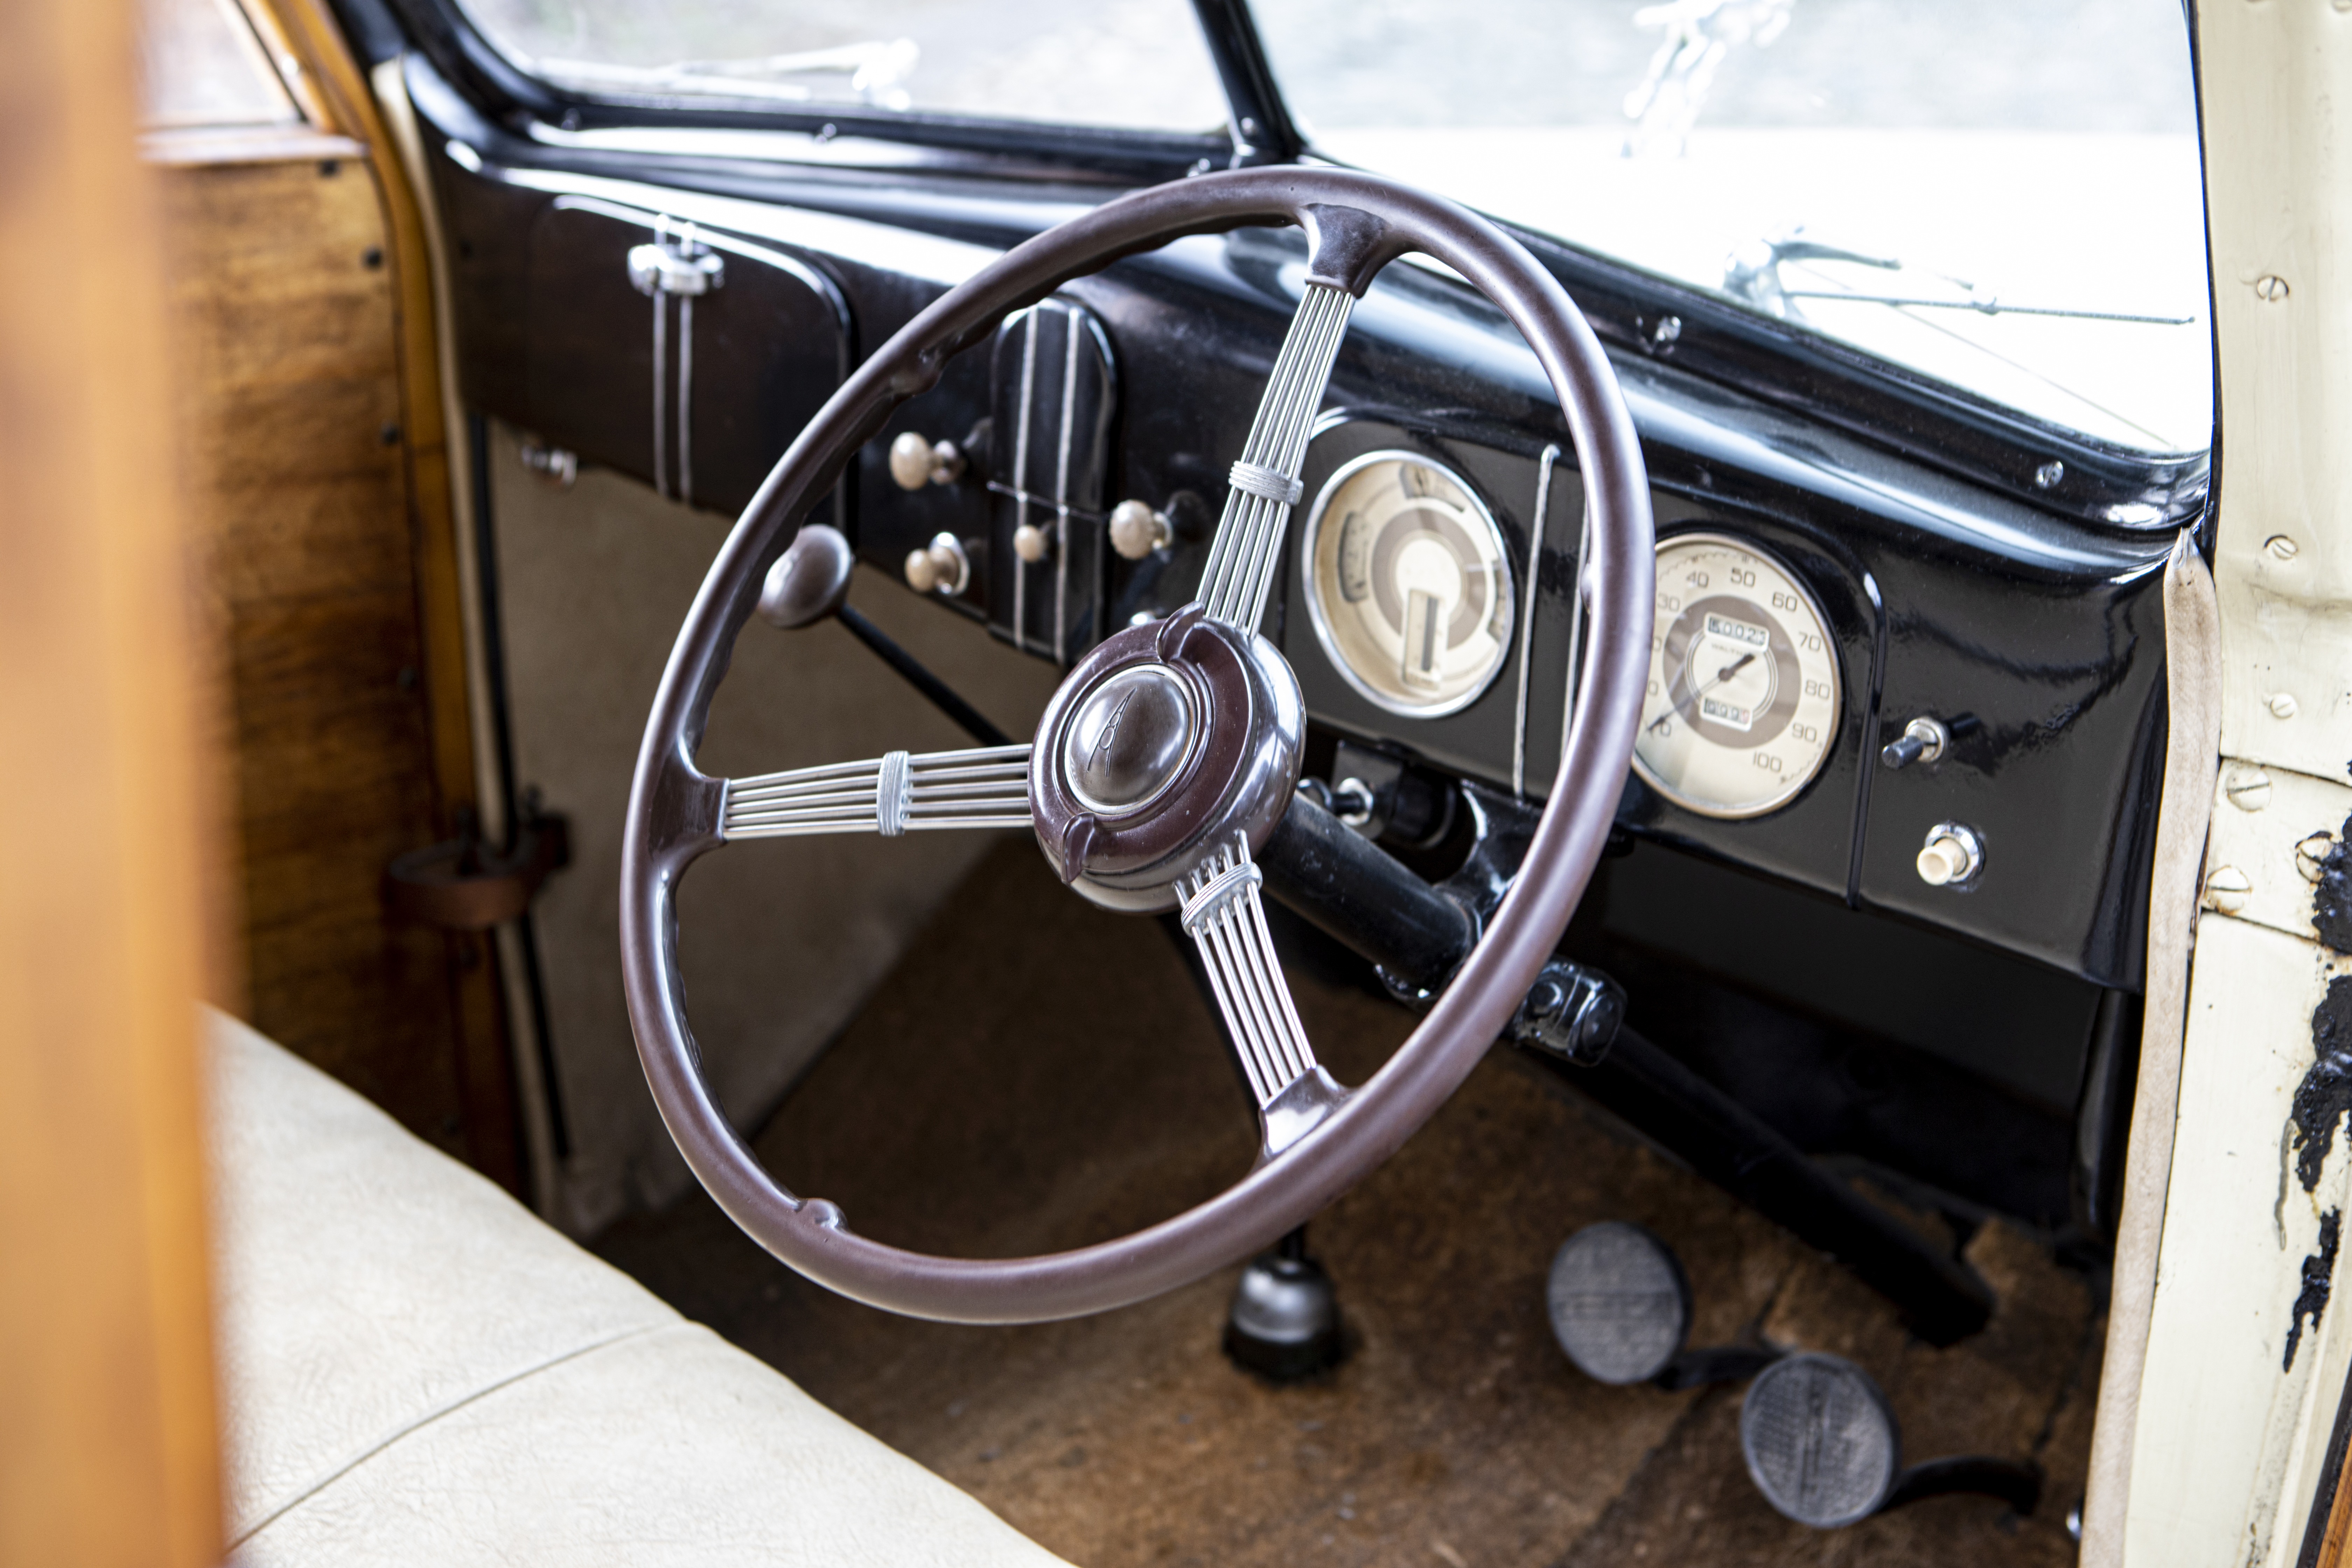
(810, 581)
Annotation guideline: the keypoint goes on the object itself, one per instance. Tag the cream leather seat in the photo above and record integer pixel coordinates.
(416, 1369)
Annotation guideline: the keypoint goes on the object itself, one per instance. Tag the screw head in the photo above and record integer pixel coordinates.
(1668, 330)
(2312, 854)
(2280, 547)
(2283, 705)
(2249, 789)
(2270, 288)
(2227, 890)
(2047, 476)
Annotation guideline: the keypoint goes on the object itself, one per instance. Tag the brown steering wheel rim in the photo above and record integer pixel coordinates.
(1356, 224)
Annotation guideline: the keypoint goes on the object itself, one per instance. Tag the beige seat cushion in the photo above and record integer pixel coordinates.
(416, 1369)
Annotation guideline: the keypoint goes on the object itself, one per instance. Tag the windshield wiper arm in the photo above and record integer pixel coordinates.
(1752, 275)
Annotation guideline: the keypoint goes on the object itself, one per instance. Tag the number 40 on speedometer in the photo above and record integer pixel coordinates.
(1743, 695)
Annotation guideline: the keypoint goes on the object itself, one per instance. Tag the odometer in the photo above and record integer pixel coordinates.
(1743, 697)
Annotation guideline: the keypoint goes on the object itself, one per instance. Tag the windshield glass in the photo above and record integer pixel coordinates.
(1132, 63)
(2005, 195)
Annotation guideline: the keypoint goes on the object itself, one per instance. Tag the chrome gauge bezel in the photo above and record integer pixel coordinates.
(1326, 634)
(1836, 674)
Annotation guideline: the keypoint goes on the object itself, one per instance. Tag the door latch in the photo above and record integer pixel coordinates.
(681, 266)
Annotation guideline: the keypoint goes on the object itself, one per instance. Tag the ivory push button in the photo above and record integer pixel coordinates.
(1953, 855)
(940, 567)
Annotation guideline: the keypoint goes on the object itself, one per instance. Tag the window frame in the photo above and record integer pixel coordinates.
(2109, 485)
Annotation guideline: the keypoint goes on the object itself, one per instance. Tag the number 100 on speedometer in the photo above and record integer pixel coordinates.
(1743, 694)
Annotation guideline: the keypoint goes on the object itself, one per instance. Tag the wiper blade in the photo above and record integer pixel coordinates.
(875, 70)
(1752, 275)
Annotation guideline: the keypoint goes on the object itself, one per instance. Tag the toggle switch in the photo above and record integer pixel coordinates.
(1923, 739)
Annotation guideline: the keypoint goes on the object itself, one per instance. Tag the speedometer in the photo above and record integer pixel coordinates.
(1409, 584)
(1743, 695)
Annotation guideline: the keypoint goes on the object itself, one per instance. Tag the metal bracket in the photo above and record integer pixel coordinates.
(461, 885)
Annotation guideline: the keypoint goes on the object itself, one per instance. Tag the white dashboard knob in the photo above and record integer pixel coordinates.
(1953, 854)
(940, 567)
(1031, 542)
(1136, 531)
(916, 462)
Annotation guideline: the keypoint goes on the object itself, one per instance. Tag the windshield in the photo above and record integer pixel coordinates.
(1130, 63)
(2005, 195)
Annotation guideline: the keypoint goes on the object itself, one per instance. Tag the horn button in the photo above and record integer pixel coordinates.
(1129, 739)
(1166, 741)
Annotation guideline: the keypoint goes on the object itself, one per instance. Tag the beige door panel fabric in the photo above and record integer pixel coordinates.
(415, 1369)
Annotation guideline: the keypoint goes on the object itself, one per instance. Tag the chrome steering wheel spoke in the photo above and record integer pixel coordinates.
(1225, 914)
(898, 792)
(1264, 483)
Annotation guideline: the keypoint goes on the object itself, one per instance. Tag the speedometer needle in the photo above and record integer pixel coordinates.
(1726, 673)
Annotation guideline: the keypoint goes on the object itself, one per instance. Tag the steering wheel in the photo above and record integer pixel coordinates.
(1163, 764)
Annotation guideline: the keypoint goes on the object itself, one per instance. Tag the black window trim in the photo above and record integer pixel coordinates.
(443, 32)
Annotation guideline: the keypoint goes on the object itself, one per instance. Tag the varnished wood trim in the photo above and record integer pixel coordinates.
(349, 104)
(107, 1450)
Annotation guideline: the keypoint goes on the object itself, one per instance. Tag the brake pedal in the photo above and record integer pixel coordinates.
(1822, 1445)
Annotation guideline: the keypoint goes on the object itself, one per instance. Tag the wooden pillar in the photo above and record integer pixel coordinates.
(107, 1451)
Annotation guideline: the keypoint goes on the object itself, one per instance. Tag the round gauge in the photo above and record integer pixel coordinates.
(1408, 584)
(1743, 695)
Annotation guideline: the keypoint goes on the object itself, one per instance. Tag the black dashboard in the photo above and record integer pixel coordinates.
(1989, 587)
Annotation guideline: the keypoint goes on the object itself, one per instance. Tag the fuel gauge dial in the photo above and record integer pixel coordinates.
(1408, 584)
(1743, 696)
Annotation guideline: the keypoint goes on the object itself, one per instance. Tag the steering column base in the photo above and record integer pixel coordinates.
(1284, 1322)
